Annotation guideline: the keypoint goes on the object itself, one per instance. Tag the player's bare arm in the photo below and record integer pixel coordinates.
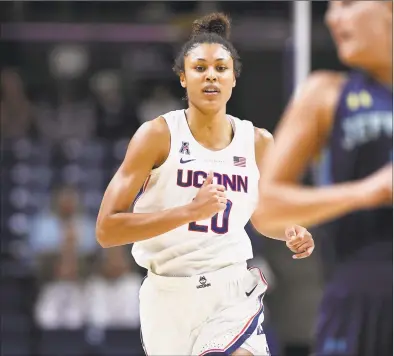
(301, 135)
(147, 149)
(298, 239)
(264, 142)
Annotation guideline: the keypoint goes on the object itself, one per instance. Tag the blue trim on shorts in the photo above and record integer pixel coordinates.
(248, 332)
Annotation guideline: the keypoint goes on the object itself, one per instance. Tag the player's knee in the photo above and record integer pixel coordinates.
(241, 352)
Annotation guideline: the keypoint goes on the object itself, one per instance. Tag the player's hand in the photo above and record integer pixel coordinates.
(299, 240)
(210, 199)
(377, 189)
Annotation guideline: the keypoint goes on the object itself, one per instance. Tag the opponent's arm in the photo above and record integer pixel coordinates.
(301, 134)
(115, 225)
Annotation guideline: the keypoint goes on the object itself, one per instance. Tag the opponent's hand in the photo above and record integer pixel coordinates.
(299, 240)
(377, 189)
(210, 199)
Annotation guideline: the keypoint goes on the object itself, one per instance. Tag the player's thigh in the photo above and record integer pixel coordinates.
(242, 352)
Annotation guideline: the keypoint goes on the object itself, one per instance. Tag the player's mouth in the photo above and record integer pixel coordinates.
(211, 90)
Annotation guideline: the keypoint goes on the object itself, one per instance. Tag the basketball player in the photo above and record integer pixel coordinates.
(199, 170)
(347, 119)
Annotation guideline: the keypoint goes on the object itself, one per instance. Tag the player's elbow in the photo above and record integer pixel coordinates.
(263, 224)
(102, 233)
(102, 239)
(265, 228)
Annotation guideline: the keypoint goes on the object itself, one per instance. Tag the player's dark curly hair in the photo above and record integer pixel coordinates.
(213, 28)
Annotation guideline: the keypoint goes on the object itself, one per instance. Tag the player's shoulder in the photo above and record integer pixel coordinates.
(244, 124)
(155, 128)
(160, 125)
(152, 134)
(152, 139)
(262, 134)
(262, 139)
(321, 82)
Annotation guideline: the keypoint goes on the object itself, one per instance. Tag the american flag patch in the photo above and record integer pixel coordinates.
(239, 161)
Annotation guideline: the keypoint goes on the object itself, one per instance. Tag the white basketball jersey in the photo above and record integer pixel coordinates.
(208, 245)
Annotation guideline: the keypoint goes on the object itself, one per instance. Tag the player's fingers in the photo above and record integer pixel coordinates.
(294, 241)
(291, 246)
(301, 231)
(222, 206)
(304, 246)
(209, 179)
(221, 194)
(217, 187)
(302, 235)
(290, 232)
(222, 200)
(304, 254)
(298, 241)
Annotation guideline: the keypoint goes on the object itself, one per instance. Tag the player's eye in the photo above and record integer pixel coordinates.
(221, 68)
(200, 68)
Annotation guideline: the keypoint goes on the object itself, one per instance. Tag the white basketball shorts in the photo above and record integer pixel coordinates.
(211, 314)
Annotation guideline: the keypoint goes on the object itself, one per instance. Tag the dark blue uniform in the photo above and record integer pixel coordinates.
(355, 316)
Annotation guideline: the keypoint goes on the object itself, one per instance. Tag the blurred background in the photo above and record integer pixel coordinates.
(77, 80)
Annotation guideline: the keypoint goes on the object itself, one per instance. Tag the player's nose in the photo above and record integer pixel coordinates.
(211, 75)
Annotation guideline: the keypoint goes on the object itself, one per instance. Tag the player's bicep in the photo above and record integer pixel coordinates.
(264, 146)
(146, 150)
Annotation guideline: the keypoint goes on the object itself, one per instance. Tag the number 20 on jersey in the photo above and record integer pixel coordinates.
(215, 226)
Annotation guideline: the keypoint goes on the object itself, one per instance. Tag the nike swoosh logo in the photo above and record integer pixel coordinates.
(186, 160)
(249, 293)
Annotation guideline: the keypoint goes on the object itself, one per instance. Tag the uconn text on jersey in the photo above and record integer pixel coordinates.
(190, 178)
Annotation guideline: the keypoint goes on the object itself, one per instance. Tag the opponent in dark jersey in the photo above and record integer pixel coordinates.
(347, 120)
(360, 143)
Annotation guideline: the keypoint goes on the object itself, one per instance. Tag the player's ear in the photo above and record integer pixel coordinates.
(182, 78)
(234, 82)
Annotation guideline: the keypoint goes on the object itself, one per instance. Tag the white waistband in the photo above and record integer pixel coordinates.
(221, 276)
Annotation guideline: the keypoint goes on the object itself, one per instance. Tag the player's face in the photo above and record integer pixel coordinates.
(209, 77)
(361, 31)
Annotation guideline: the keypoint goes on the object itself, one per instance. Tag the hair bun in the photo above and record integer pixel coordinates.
(213, 23)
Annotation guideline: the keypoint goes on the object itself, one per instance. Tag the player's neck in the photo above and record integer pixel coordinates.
(383, 74)
(212, 130)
